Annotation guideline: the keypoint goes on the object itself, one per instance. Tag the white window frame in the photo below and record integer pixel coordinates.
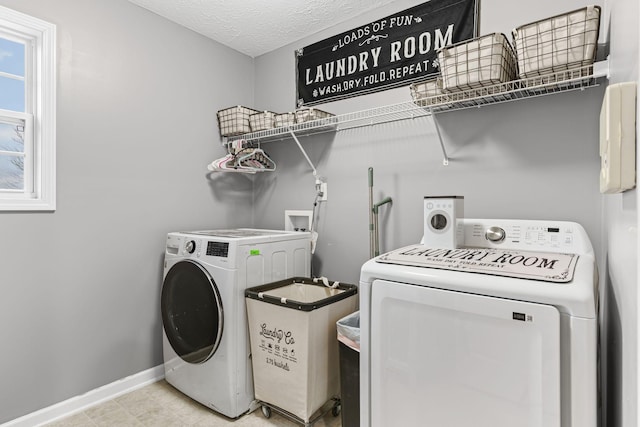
(40, 115)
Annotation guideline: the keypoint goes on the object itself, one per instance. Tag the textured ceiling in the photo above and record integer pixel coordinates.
(254, 27)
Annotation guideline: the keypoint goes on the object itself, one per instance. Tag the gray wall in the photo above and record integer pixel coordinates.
(137, 101)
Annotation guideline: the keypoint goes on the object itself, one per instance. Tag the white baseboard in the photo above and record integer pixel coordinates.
(90, 398)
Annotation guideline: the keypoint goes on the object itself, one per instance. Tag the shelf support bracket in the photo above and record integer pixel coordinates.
(445, 160)
(304, 153)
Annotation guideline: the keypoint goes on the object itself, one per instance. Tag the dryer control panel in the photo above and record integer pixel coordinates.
(544, 236)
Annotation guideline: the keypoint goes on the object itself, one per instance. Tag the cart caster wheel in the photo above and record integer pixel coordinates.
(266, 411)
(337, 408)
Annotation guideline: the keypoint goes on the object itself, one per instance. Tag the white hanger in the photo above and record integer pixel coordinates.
(243, 159)
(255, 158)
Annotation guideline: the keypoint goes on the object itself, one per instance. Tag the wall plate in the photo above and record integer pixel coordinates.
(297, 220)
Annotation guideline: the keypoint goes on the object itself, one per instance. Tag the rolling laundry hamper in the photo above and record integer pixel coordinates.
(292, 331)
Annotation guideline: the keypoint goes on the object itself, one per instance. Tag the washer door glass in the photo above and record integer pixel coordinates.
(191, 311)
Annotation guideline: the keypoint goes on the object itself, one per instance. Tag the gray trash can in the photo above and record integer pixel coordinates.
(294, 353)
(349, 343)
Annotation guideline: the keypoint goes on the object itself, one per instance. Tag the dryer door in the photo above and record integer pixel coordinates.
(191, 311)
(444, 358)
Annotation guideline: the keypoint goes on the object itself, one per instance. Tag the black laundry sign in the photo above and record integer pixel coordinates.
(390, 52)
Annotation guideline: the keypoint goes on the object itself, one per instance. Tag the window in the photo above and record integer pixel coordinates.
(27, 112)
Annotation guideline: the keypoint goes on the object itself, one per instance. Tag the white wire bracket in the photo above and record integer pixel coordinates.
(304, 153)
(445, 159)
(602, 69)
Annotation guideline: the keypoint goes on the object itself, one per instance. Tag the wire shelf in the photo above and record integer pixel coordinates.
(564, 81)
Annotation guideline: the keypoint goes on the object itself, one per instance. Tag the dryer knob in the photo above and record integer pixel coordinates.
(495, 234)
(190, 246)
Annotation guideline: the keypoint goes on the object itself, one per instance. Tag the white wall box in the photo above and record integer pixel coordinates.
(297, 220)
(618, 138)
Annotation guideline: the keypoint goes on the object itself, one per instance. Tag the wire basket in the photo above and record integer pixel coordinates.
(428, 92)
(310, 114)
(285, 119)
(235, 120)
(262, 121)
(479, 62)
(558, 43)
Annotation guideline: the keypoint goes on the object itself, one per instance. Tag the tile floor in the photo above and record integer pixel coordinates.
(160, 405)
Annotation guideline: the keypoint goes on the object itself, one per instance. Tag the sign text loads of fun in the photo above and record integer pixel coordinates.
(390, 52)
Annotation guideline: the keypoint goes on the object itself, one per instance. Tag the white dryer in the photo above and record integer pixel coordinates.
(205, 337)
(499, 333)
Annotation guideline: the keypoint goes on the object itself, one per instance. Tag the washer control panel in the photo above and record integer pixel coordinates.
(549, 236)
(182, 245)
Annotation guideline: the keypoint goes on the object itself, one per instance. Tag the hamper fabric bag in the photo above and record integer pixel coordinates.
(294, 351)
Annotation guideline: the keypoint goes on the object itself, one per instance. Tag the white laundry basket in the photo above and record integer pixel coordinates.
(292, 330)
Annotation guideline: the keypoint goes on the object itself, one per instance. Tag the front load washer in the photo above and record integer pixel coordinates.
(501, 332)
(205, 337)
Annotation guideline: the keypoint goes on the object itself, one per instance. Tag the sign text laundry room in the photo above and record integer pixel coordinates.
(390, 52)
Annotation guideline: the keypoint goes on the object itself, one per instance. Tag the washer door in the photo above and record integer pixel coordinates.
(191, 311)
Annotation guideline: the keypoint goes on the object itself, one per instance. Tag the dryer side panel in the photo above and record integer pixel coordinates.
(450, 358)
(262, 263)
